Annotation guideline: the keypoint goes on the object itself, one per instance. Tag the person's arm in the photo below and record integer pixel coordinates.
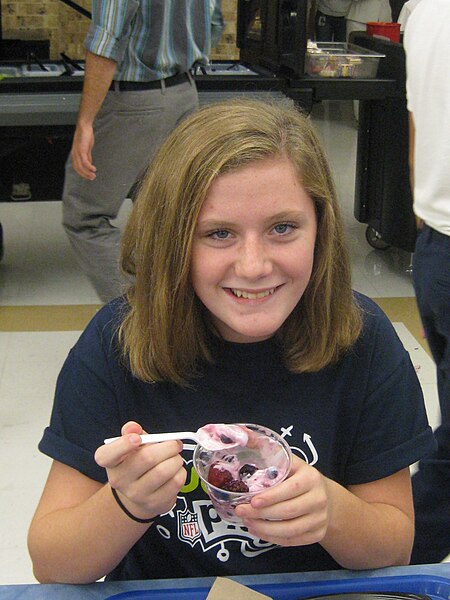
(371, 525)
(412, 132)
(363, 527)
(98, 75)
(79, 533)
(412, 139)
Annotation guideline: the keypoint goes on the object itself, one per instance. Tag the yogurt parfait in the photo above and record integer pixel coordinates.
(233, 476)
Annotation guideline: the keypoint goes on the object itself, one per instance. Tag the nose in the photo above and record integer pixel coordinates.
(253, 260)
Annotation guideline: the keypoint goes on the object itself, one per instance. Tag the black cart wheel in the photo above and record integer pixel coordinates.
(375, 239)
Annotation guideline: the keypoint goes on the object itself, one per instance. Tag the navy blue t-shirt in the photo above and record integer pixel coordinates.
(356, 421)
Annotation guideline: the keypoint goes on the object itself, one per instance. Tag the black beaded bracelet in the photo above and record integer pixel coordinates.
(126, 511)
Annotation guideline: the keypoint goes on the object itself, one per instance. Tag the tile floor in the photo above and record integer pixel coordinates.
(45, 301)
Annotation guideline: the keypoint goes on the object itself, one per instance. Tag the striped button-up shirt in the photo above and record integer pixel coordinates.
(151, 39)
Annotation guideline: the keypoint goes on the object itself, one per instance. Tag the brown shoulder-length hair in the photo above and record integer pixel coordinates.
(166, 331)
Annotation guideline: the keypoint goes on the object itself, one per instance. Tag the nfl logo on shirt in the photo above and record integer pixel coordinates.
(188, 526)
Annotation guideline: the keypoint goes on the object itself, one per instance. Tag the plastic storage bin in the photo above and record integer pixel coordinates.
(437, 588)
(388, 31)
(9, 71)
(340, 59)
(53, 70)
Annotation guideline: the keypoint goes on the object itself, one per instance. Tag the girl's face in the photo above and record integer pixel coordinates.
(253, 250)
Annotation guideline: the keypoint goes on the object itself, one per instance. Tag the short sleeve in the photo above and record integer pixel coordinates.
(86, 409)
(109, 33)
(392, 430)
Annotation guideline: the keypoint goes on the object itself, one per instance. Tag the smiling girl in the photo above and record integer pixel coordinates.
(241, 310)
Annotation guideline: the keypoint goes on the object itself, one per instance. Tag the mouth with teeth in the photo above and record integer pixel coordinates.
(252, 295)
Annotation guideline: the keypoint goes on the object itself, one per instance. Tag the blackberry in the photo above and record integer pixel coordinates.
(218, 476)
(235, 485)
(247, 471)
(225, 439)
(229, 458)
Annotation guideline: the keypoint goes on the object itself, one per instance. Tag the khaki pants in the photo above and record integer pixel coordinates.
(128, 129)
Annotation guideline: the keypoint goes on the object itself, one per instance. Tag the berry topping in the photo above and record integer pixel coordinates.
(205, 455)
(218, 476)
(247, 471)
(230, 458)
(235, 485)
(225, 439)
(272, 472)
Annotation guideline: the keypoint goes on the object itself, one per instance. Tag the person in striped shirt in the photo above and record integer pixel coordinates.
(137, 87)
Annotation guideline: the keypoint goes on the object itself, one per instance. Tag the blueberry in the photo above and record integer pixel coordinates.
(272, 472)
(205, 456)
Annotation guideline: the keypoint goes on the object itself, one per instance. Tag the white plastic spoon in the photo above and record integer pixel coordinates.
(212, 437)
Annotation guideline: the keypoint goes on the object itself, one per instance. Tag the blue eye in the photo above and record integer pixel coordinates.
(283, 228)
(220, 234)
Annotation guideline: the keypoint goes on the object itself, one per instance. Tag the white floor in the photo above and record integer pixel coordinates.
(38, 269)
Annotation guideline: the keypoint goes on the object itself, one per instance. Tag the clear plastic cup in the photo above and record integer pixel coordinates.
(265, 449)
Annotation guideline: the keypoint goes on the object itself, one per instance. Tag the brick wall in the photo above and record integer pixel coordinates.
(227, 45)
(65, 28)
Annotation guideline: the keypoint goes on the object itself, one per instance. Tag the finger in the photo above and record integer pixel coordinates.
(154, 479)
(153, 456)
(302, 493)
(90, 162)
(164, 497)
(300, 480)
(157, 489)
(154, 460)
(132, 427)
(111, 455)
(297, 506)
(87, 168)
(308, 529)
(82, 163)
(128, 428)
(82, 171)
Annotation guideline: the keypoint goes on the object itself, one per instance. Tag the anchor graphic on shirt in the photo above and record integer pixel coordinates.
(313, 454)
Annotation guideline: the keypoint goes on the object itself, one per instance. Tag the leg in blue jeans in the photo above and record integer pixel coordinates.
(324, 27)
(330, 29)
(431, 484)
(340, 29)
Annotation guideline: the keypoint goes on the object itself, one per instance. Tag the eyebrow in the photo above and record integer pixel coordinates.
(285, 215)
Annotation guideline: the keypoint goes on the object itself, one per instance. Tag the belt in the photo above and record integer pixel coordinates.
(134, 86)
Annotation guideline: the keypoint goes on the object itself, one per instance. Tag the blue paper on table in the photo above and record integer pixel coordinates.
(436, 588)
